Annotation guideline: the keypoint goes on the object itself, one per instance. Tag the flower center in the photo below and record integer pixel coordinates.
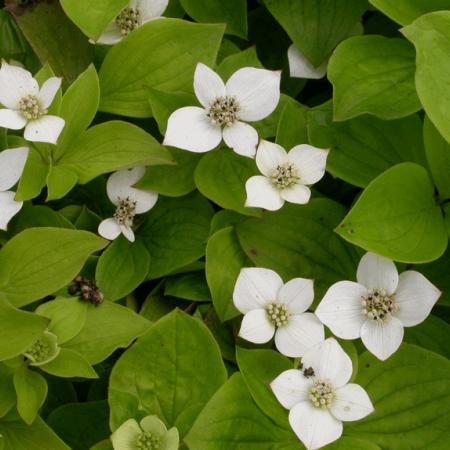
(223, 111)
(125, 211)
(39, 351)
(284, 176)
(31, 108)
(128, 20)
(147, 441)
(322, 394)
(278, 314)
(377, 305)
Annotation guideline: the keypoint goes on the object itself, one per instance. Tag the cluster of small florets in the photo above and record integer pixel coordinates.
(278, 314)
(128, 20)
(30, 107)
(87, 290)
(147, 441)
(125, 211)
(39, 351)
(224, 111)
(284, 176)
(322, 394)
(378, 306)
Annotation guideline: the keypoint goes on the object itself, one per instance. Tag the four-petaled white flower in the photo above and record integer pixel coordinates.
(378, 306)
(319, 398)
(285, 175)
(149, 434)
(300, 67)
(249, 95)
(26, 105)
(129, 202)
(134, 15)
(271, 307)
(12, 163)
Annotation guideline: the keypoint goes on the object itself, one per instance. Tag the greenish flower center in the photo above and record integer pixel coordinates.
(128, 20)
(39, 351)
(31, 108)
(148, 441)
(322, 394)
(125, 211)
(223, 111)
(377, 305)
(278, 314)
(284, 176)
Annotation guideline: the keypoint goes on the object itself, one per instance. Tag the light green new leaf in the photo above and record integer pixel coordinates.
(397, 217)
(172, 372)
(163, 55)
(430, 34)
(69, 364)
(374, 75)
(317, 26)
(39, 261)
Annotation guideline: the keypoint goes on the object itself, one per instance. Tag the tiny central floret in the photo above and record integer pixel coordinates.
(377, 305)
(39, 351)
(125, 211)
(223, 111)
(31, 108)
(278, 314)
(148, 441)
(322, 394)
(284, 176)
(128, 20)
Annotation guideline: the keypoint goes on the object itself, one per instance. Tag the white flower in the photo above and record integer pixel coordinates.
(149, 434)
(129, 201)
(319, 398)
(26, 105)
(134, 15)
(300, 67)
(285, 175)
(12, 163)
(273, 308)
(378, 306)
(250, 95)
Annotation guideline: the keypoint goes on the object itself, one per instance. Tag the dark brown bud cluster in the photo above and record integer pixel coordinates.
(308, 372)
(86, 290)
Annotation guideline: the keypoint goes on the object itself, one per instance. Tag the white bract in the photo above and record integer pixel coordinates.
(271, 307)
(129, 202)
(300, 67)
(149, 434)
(319, 397)
(134, 15)
(378, 306)
(26, 105)
(12, 163)
(249, 95)
(285, 176)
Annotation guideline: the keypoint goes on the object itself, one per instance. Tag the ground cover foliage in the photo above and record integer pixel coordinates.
(226, 228)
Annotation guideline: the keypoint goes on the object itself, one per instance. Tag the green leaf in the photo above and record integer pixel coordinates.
(121, 268)
(374, 75)
(292, 127)
(438, 156)
(317, 26)
(56, 40)
(221, 175)
(40, 261)
(232, 420)
(69, 364)
(298, 241)
(175, 232)
(410, 394)
(19, 436)
(176, 46)
(232, 63)
(233, 13)
(157, 374)
(108, 326)
(406, 11)
(224, 250)
(189, 286)
(31, 390)
(7, 391)
(430, 34)
(93, 17)
(437, 273)
(259, 368)
(19, 330)
(364, 147)
(397, 217)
